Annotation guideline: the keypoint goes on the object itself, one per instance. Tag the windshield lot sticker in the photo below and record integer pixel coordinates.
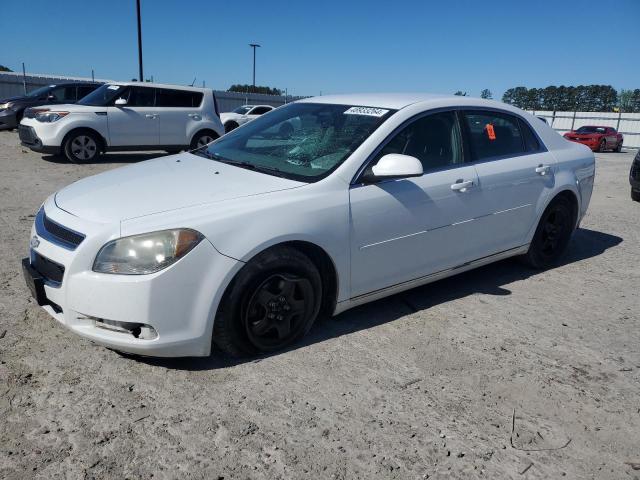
(113, 87)
(372, 112)
(490, 132)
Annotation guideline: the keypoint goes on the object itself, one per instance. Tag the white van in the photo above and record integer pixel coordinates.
(122, 117)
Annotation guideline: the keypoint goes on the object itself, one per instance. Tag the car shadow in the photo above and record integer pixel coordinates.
(489, 280)
(106, 158)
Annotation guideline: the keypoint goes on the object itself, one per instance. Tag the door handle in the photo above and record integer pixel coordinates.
(543, 169)
(195, 116)
(462, 185)
(151, 115)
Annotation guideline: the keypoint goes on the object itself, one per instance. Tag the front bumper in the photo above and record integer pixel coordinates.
(30, 139)
(179, 303)
(8, 119)
(592, 144)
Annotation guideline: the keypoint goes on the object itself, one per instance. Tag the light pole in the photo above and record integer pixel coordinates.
(254, 46)
(139, 41)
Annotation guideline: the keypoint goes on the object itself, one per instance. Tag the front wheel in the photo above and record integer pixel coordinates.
(635, 195)
(82, 147)
(552, 235)
(619, 147)
(272, 302)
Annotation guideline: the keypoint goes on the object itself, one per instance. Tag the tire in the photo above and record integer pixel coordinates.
(635, 195)
(202, 138)
(229, 126)
(552, 235)
(82, 146)
(603, 145)
(272, 302)
(618, 147)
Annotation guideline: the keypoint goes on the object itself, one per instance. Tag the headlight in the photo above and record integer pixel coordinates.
(146, 253)
(49, 117)
(4, 106)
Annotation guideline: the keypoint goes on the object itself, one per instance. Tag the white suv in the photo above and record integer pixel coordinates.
(242, 115)
(124, 116)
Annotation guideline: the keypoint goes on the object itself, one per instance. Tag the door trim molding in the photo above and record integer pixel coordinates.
(425, 279)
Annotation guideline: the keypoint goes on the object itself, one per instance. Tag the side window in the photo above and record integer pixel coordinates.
(178, 98)
(85, 90)
(141, 97)
(435, 140)
(64, 94)
(260, 110)
(493, 134)
(531, 142)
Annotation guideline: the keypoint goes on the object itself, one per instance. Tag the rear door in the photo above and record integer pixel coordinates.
(179, 113)
(515, 175)
(135, 124)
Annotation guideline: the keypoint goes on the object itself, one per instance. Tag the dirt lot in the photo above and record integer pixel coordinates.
(420, 385)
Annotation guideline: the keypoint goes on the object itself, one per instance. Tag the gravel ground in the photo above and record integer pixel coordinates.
(420, 385)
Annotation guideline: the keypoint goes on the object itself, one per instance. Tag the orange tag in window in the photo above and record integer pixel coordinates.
(490, 133)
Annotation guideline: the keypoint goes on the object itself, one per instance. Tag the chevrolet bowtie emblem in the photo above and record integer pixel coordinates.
(35, 241)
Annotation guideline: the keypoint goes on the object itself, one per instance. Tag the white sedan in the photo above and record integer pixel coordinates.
(241, 115)
(243, 243)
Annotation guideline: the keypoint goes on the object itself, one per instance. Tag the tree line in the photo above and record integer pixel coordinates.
(583, 98)
(256, 89)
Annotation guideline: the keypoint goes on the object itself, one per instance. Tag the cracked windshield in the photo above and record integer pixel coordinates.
(301, 141)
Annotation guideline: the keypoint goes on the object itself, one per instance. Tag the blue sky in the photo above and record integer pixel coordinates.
(333, 46)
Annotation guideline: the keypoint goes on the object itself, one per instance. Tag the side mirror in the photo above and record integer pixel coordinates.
(121, 101)
(51, 98)
(395, 165)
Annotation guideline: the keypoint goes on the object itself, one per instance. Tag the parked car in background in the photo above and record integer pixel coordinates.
(12, 108)
(597, 138)
(634, 178)
(242, 115)
(125, 117)
(245, 242)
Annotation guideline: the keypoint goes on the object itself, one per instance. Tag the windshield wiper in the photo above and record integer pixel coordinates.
(242, 164)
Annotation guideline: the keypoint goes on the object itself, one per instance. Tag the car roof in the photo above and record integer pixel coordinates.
(160, 85)
(397, 101)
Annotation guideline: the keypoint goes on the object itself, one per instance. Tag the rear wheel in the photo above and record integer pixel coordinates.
(552, 234)
(635, 195)
(272, 302)
(82, 147)
(602, 146)
(203, 138)
(619, 147)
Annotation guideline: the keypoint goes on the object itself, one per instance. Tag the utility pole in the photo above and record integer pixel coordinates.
(254, 46)
(24, 79)
(139, 41)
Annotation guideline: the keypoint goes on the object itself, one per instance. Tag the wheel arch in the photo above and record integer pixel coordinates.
(322, 261)
(101, 139)
(213, 133)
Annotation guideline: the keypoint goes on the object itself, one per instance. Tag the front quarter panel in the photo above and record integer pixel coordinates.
(241, 228)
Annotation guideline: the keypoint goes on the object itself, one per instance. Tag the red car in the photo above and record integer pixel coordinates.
(596, 138)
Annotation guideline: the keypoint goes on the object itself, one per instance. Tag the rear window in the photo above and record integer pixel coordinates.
(178, 98)
(494, 134)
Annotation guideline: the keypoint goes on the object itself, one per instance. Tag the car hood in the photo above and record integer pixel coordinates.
(163, 184)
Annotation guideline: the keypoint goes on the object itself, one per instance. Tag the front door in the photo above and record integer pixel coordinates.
(135, 124)
(404, 229)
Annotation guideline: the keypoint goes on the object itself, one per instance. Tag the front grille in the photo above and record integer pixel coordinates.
(26, 134)
(52, 272)
(56, 233)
